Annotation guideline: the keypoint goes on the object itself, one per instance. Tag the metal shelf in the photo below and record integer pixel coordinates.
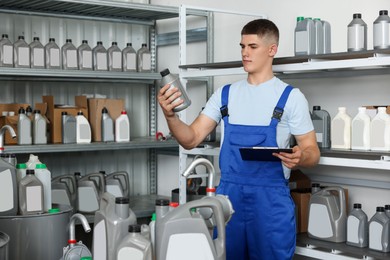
(100, 10)
(77, 75)
(136, 143)
(301, 66)
(328, 250)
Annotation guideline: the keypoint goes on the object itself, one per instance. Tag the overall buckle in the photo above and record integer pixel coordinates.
(277, 114)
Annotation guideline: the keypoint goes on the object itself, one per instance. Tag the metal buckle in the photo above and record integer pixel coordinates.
(277, 114)
(224, 111)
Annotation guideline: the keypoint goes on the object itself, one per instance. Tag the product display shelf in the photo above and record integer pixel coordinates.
(100, 10)
(327, 250)
(349, 63)
(24, 74)
(136, 143)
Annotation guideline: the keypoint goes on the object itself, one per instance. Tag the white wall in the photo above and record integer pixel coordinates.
(327, 92)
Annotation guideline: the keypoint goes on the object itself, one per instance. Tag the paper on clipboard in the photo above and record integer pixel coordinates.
(262, 153)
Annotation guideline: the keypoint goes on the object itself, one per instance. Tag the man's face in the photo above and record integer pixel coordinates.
(255, 53)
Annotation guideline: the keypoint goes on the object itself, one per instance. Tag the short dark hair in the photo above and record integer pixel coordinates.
(263, 28)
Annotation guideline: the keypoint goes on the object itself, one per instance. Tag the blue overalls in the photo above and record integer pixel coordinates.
(263, 225)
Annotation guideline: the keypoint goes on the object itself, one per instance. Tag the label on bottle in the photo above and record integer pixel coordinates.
(301, 42)
(87, 59)
(375, 236)
(382, 35)
(7, 193)
(100, 241)
(54, 57)
(131, 61)
(353, 229)
(24, 56)
(71, 58)
(39, 58)
(101, 61)
(34, 198)
(356, 37)
(8, 54)
(88, 202)
(130, 253)
(146, 61)
(116, 60)
(123, 130)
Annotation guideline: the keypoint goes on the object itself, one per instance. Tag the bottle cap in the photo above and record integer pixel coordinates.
(104, 110)
(80, 113)
(86, 258)
(52, 39)
(37, 111)
(174, 204)
(29, 109)
(387, 207)
(154, 217)
(77, 174)
(300, 18)
(357, 16)
(30, 171)
(123, 112)
(40, 166)
(21, 166)
(68, 40)
(129, 44)
(21, 37)
(165, 72)
(380, 209)
(114, 43)
(144, 45)
(122, 200)
(21, 111)
(64, 113)
(4, 35)
(84, 41)
(99, 43)
(383, 12)
(136, 228)
(162, 202)
(316, 108)
(36, 38)
(357, 206)
(53, 210)
(315, 185)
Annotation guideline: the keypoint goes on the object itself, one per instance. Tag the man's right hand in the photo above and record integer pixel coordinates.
(166, 96)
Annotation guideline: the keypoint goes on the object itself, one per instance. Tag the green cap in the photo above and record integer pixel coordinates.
(53, 210)
(21, 166)
(40, 166)
(86, 258)
(300, 18)
(153, 217)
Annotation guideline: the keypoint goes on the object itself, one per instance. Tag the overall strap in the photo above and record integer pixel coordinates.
(225, 101)
(279, 109)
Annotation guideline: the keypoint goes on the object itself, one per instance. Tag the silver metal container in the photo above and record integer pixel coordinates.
(4, 240)
(37, 237)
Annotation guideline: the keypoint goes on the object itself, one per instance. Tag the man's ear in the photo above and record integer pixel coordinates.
(273, 49)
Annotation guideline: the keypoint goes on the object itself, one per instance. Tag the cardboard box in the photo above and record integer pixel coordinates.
(54, 114)
(298, 180)
(301, 199)
(95, 106)
(373, 110)
(13, 120)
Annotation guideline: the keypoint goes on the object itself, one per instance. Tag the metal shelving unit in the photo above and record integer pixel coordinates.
(109, 11)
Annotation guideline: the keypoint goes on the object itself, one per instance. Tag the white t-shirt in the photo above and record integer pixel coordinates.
(254, 105)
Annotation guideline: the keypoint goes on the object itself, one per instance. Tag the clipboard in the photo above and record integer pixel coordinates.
(262, 153)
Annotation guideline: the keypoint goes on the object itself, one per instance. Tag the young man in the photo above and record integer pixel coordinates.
(258, 111)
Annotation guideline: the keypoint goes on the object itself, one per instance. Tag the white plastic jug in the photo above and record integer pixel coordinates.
(380, 131)
(361, 130)
(341, 130)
